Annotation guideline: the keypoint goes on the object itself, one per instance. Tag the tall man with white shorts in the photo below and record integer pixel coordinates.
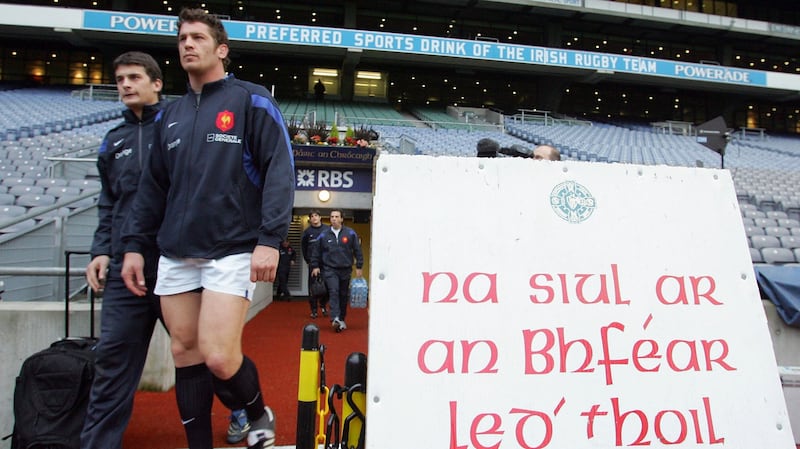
(217, 194)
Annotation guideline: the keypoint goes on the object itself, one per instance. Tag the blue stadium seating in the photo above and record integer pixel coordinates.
(766, 171)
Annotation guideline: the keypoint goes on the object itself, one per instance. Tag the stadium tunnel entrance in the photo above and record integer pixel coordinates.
(330, 177)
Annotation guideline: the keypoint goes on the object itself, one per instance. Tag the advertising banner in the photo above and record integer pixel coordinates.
(276, 33)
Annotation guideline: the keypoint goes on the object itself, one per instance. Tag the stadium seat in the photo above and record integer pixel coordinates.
(776, 231)
(13, 181)
(63, 191)
(753, 230)
(792, 209)
(11, 211)
(789, 223)
(764, 241)
(85, 183)
(51, 182)
(755, 256)
(790, 241)
(747, 206)
(6, 199)
(32, 200)
(754, 213)
(765, 222)
(778, 255)
(25, 190)
(777, 214)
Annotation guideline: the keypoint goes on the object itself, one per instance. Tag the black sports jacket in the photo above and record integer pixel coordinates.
(119, 162)
(220, 178)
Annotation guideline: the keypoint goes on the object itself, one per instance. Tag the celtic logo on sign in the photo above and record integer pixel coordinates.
(572, 202)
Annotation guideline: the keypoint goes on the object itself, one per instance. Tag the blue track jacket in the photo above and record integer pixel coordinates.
(120, 159)
(220, 178)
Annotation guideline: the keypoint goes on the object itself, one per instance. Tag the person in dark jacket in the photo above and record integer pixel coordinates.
(319, 91)
(333, 254)
(127, 321)
(217, 195)
(286, 258)
(310, 234)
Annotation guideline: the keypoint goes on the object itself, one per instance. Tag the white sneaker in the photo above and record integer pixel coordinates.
(263, 438)
(338, 325)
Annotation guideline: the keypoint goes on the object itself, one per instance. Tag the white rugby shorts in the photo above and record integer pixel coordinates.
(230, 275)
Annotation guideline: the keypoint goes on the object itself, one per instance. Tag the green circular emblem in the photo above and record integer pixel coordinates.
(572, 202)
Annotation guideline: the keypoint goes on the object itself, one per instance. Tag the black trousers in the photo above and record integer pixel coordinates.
(282, 282)
(126, 325)
(338, 282)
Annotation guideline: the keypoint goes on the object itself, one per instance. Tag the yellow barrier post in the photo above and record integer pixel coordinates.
(308, 388)
(355, 401)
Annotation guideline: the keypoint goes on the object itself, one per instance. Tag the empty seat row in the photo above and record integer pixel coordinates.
(771, 230)
(26, 203)
(771, 222)
(57, 191)
(775, 256)
(50, 182)
(771, 241)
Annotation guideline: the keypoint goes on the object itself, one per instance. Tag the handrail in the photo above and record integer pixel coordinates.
(40, 271)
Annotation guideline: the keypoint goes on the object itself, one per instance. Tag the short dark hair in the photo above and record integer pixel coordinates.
(139, 58)
(341, 212)
(487, 147)
(312, 212)
(214, 23)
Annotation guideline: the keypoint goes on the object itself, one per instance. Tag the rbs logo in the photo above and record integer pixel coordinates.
(330, 179)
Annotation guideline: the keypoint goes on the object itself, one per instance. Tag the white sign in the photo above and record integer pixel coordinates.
(527, 304)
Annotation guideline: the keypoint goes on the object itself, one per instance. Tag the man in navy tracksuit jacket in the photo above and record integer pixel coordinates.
(333, 253)
(127, 320)
(217, 194)
(310, 234)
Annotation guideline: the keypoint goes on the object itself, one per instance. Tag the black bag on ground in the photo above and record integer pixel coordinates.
(51, 394)
(317, 287)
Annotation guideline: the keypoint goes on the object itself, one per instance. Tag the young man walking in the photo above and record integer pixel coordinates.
(332, 255)
(217, 194)
(127, 321)
(310, 234)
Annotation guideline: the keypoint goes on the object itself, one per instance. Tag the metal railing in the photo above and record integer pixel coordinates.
(32, 253)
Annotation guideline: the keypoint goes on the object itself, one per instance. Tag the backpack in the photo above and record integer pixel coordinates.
(358, 293)
(52, 394)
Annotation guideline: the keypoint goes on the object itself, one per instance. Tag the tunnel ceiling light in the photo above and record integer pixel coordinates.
(368, 75)
(325, 72)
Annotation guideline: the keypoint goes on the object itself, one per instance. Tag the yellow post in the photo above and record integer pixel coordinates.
(355, 401)
(308, 388)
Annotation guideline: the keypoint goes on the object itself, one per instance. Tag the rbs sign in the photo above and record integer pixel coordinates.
(342, 180)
